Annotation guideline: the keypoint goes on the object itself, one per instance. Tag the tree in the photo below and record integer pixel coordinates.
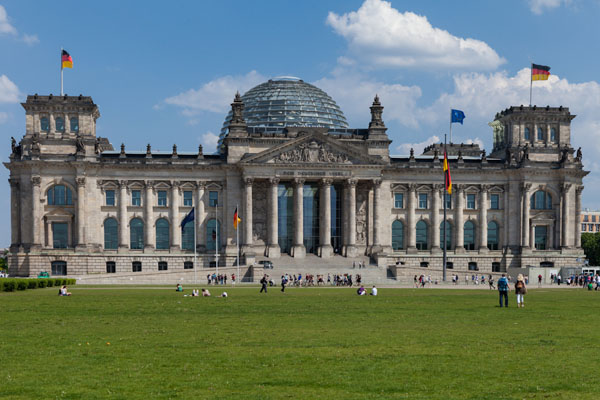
(590, 242)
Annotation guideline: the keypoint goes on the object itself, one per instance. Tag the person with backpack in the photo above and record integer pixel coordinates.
(520, 291)
(503, 289)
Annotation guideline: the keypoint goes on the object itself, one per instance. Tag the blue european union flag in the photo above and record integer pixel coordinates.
(457, 116)
(188, 218)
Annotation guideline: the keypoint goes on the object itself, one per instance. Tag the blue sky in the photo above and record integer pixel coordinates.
(166, 73)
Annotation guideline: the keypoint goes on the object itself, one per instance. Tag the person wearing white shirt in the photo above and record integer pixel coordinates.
(373, 291)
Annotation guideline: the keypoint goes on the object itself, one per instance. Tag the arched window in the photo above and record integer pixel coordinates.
(397, 235)
(526, 133)
(74, 124)
(492, 235)
(448, 235)
(136, 234)
(60, 124)
(213, 233)
(59, 195)
(422, 235)
(111, 234)
(187, 236)
(162, 234)
(44, 124)
(553, 134)
(540, 133)
(469, 235)
(541, 200)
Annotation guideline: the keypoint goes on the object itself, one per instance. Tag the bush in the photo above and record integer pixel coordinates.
(32, 283)
(42, 283)
(22, 284)
(49, 282)
(1, 285)
(9, 285)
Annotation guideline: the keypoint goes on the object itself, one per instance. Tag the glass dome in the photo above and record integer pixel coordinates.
(287, 101)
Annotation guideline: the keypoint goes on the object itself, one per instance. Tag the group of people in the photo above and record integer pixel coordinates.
(520, 290)
(197, 293)
(220, 279)
(63, 291)
(361, 291)
(585, 281)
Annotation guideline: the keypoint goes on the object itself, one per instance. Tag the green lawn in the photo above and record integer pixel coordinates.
(305, 344)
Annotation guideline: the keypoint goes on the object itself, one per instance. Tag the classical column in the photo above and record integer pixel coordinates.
(80, 213)
(578, 191)
(149, 231)
(298, 249)
(123, 222)
(565, 215)
(175, 222)
(37, 217)
(483, 208)
(506, 210)
(273, 250)
(247, 216)
(15, 212)
(525, 187)
(325, 224)
(435, 216)
(411, 229)
(459, 220)
(351, 250)
(199, 218)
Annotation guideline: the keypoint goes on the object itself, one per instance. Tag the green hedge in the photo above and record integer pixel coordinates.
(12, 284)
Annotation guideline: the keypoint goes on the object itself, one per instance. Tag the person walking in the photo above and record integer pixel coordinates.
(263, 283)
(283, 282)
(503, 289)
(520, 290)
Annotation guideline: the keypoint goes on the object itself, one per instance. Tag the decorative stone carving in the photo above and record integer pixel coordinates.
(312, 152)
(79, 145)
(376, 114)
(361, 215)
(274, 181)
(36, 180)
(579, 190)
(35, 145)
(237, 108)
(80, 181)
(579, 155)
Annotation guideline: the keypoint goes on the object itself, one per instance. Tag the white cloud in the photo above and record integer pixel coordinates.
(5, 26)
(3, 117)
(9, 92)
(209, 142)
(216, 95)
(30, 39)
(539, 6)
(354, 94)
(381, 36)
(404, 148)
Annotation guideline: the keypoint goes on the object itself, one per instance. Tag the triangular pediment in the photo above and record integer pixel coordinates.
(313, 149)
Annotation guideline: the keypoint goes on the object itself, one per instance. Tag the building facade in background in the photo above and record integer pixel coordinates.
(304, 185)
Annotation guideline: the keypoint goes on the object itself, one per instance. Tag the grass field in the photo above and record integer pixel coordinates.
(305, 344)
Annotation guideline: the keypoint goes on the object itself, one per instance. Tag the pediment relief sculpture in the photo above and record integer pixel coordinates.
(311, 152)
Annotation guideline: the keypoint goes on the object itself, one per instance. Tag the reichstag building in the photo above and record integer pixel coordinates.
(305, 185)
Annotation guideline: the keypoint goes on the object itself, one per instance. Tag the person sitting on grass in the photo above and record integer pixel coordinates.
(224, 294)
(64, 291)
(179, 288)
(205, 293)
(195, 293)
(361, 291)
(373, 291)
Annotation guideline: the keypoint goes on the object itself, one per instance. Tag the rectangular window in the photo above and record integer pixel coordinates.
(591, 226)
(187, 198)
(597, 228)
(449, 265)
(60, 235)
(398, 200)
(448, 201)
(111, 267)
(110, 197)
(163, 266)
(541, 235)
(470, 201)
(495, 202)
(423, 201)
(495, 267)
(162, 198)
(213, 198)
(136, 266)
(583, 227)
(473, 266)
(593, 218)
(586, 218)
(188, 265)
(424, 264)
(59, 268)
(136, 198)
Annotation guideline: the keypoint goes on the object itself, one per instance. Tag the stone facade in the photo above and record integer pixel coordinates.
(336, 193)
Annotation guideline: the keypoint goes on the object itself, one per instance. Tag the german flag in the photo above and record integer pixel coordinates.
(539, 72)
(447, 178)
(236, 219)
(67, 61)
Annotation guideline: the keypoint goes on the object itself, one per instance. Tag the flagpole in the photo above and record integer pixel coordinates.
(61, 73)
(195, 246)
(530, 84)
(217, 238)
(450, 131)
(444, 200)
